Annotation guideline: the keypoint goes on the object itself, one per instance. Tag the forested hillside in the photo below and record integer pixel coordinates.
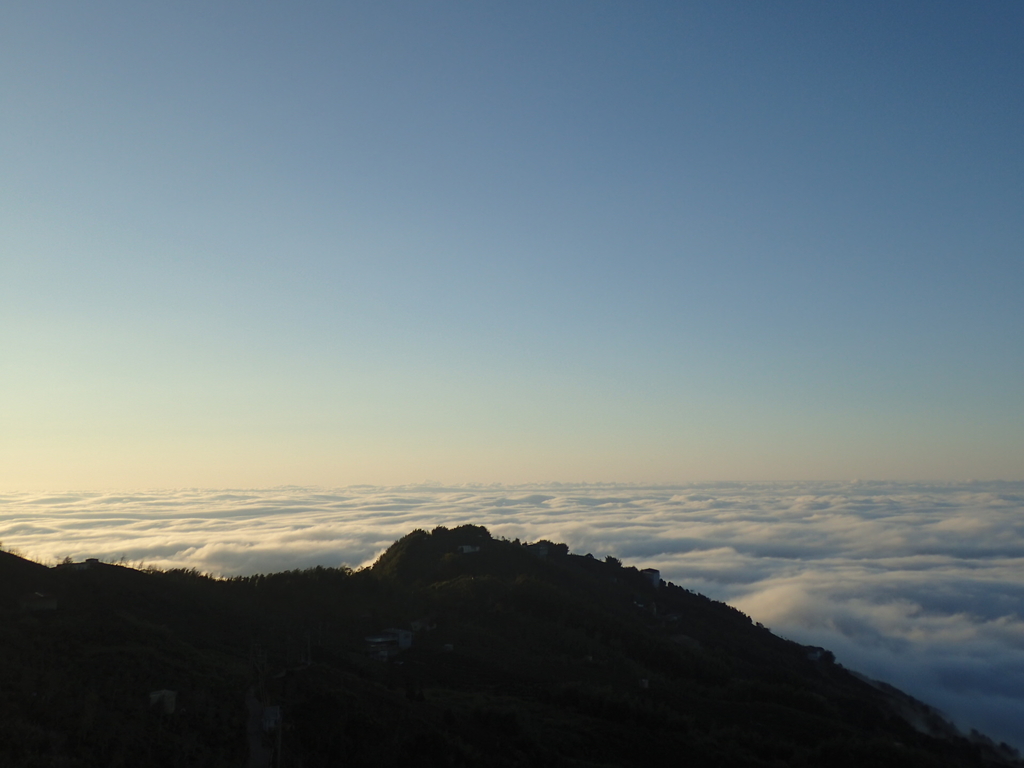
(454, 649)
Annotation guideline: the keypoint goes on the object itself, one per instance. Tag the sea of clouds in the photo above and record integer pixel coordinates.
(918, 585)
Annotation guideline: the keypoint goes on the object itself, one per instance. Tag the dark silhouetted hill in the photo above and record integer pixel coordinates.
(454, 649)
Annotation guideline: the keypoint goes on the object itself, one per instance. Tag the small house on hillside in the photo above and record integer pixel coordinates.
(545, 548)
(467, 549)
(653, 575)
(388, 643)
(540, 549)
(815, 653)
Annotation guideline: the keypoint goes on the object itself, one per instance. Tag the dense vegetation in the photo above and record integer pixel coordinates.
(519, 656)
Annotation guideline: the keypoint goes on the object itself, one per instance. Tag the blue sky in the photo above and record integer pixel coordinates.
(255, 244)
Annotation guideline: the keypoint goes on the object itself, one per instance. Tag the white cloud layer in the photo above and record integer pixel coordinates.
(919, 585)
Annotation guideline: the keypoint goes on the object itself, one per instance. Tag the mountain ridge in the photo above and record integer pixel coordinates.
(453, 648)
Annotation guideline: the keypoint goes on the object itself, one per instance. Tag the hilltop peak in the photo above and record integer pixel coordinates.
(453, 648)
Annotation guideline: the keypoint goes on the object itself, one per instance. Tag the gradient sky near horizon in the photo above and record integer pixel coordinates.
(251, 244)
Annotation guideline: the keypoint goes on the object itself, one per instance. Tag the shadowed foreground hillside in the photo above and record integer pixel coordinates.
(454, 649)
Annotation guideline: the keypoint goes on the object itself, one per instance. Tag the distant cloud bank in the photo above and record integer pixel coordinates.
(919, 585)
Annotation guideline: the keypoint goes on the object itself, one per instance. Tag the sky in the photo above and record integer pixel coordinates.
(730, 289)
(916, 584)
(257, 244)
